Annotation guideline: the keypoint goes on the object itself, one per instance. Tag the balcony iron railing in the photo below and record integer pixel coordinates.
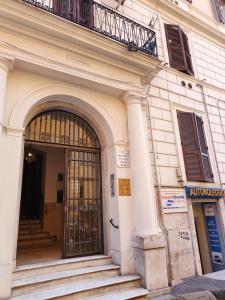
(103, 20)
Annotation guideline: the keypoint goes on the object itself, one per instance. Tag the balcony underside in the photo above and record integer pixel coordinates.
(49, 45)
(102, 20)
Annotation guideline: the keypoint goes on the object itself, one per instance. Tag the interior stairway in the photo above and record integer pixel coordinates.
(86, 278)
(31, 235)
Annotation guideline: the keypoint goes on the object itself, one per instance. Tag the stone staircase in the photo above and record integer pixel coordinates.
(31, 235)
(93, 277)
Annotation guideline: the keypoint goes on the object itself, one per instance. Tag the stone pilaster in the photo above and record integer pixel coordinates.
(148, 241)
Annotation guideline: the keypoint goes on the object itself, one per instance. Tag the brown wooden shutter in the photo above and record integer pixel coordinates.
(218, 10)
(175, 48)
(178, 49)
(190, 146)
(189, 67)
(204, 150)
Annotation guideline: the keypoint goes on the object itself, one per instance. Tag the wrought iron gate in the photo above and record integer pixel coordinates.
(82, 195)
(83, 228)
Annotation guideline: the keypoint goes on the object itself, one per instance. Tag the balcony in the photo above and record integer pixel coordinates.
(102, 20)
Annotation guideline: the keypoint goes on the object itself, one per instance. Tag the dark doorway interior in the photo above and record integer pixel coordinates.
(31, 197)
(61, 201)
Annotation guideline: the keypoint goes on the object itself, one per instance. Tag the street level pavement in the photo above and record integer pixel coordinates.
(210, 282)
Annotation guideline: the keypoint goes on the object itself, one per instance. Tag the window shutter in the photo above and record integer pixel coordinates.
(218, 10)
(204, 150)
(178, 49)
(190, 146)
(175, 47)
(187, 54)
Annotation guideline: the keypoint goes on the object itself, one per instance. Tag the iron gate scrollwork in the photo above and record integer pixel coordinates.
(83, 228)
(83, 232)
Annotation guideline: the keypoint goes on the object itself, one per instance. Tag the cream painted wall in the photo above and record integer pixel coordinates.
(54, 166)
(92, 85)
(22, 86)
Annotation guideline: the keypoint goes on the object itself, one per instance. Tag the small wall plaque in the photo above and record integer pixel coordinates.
(122, 158)
(124, 187)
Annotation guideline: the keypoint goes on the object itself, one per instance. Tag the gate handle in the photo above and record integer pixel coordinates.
(111, 222)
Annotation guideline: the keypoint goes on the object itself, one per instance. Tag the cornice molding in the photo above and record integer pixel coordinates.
(39, 24)
(6, 62)
(167, 9)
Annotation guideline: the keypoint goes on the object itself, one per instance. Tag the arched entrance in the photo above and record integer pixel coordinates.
(53, 139)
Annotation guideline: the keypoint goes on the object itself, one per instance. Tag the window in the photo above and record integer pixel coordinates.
(194, 146)
(220, 8)
(80, 11)
(178, 49)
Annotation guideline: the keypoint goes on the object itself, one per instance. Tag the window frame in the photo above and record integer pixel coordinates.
(184, 47)
(199, 152)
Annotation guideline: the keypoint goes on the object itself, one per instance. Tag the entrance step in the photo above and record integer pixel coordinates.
(36, 242)
(31, 235)
(138, 293)
(60, 265)
(30, 231)
(25, 285)
(25, 222)
(89, 288)
(84, 278)
(29, 226)
(36, 235)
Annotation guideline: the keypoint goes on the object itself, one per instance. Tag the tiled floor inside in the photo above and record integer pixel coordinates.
(38, 255)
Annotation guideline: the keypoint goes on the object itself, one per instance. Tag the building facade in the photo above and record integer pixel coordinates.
(112, 136)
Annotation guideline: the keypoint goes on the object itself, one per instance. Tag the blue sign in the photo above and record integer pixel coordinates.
(213, 234)
(198, 192)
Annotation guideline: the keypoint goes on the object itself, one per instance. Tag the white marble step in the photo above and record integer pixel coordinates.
(25, 285)
(60, 265)
(84, 289)
(135, 293)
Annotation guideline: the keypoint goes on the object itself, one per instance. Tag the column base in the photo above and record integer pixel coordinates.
(150, 260)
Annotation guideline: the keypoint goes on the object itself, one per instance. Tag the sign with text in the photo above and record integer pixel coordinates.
(213, 234)
(173, 201)
(124, 187)
(196, 192)
(122, 158)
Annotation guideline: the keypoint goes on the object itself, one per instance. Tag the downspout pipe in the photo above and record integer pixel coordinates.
(201, 86)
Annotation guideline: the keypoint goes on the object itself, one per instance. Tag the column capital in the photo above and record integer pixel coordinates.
(130, 97)
(7, 63)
